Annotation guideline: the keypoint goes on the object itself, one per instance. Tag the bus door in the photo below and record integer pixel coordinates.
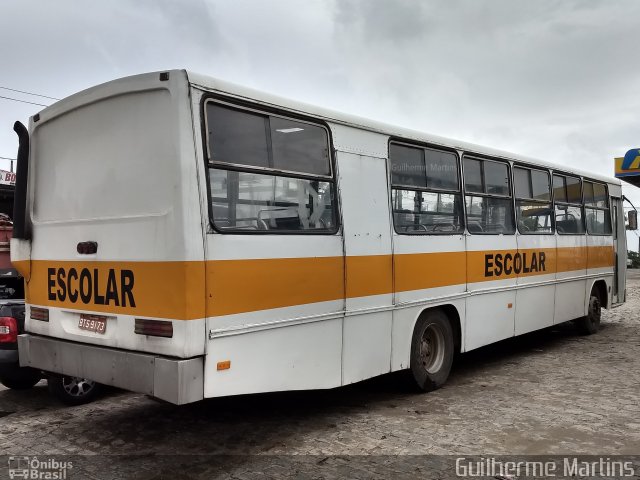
(620, 249)
(366, 348)
(275, 263)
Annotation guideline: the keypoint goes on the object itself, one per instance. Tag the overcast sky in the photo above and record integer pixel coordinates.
(554, 79)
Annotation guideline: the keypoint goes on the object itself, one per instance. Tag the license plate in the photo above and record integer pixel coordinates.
(93, 323)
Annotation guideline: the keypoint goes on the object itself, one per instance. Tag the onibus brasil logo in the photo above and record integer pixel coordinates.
(34, 468)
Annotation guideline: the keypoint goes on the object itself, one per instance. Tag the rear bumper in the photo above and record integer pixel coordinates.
(174, 380)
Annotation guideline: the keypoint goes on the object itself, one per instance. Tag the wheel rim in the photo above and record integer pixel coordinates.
(595, 310)
(77, 387)
(432, 347)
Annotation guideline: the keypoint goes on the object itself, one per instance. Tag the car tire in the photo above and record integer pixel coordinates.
(73, 390)
(21, 379)
(432, 349)
(590, 324)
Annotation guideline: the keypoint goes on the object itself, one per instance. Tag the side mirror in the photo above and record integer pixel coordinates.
(632, 220)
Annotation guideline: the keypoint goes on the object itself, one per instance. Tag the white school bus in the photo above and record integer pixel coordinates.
(188, 238)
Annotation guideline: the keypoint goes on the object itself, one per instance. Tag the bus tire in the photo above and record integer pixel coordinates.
(22, 379)
(73, 390)
(590, 323)
(432, 349)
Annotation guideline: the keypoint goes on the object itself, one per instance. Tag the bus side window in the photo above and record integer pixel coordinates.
(534, 213)
(567, 197)
(488, 197)
(596, 207)
(269, 173)
(425, 190)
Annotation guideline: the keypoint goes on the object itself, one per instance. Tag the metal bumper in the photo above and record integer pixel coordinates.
(174, 380)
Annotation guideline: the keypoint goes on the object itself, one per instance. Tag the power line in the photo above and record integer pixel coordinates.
(29, 93)
(24, 101)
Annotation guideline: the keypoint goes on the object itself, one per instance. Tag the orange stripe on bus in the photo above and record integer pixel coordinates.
(369, 275)
(515, 263)
(600, 257)
(417, 271)
(160, 289)
(193, 289)
(237, 286)
(571, 259)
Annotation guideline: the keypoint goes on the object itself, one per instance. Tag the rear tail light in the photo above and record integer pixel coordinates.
(8, 330)
(155, 328)
(41, 314)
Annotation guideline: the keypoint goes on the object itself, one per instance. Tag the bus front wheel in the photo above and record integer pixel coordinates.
(432, 349)
(590, 324)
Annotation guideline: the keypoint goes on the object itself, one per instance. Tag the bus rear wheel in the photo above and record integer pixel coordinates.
(432, 349)
(590, 324)
(73, 390)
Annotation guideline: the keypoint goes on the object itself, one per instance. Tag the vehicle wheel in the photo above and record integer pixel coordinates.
(22, 379)
(431, 351)
(73, 390)
(590, 324)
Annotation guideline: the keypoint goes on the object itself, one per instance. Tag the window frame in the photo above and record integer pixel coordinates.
(567, 203)
(607, 209)
(245, 106)
(413, 188)
(533, 200)
(511, 196)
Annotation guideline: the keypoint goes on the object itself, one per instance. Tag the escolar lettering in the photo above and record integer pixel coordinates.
(499, 264)
(85, 286)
